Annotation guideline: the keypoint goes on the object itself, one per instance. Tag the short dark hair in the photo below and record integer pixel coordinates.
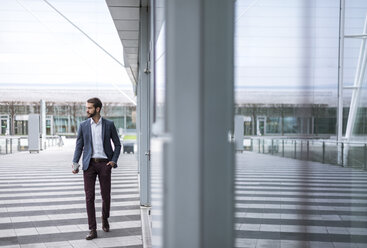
(96, 102)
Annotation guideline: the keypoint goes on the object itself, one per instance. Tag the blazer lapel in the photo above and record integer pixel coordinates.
(103, 129)
(89, 131)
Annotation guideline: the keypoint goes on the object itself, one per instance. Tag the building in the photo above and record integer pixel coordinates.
(64, 111)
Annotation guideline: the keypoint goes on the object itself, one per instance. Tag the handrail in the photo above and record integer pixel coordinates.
(305, 139)
(353, 154)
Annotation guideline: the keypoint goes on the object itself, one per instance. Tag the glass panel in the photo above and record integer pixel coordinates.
(296, 185)
(159, 127)
(248, 129)
(273, 125)
(159, 64)
(290, 125)
(4, 126)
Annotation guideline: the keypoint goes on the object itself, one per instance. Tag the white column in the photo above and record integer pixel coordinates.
(340, 80)
(34, 133)
(144, 109)
(43, 123)
(239, 132)
(199, 160)
(125, 110)
(340, 70)
(358, 80)
(361, 68)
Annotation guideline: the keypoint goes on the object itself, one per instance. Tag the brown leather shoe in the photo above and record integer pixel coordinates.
(105, 225)
(92, 235)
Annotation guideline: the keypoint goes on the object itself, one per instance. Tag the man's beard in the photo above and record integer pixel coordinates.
(92, 115)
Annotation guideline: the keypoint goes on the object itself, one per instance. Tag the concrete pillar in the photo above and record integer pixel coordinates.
(199, 158)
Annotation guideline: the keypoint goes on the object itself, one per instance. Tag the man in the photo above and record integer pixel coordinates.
(94, 141)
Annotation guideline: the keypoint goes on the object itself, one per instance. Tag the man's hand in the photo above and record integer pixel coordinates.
(112, 164)
(75, 167)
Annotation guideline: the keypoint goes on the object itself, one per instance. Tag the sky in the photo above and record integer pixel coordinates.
(279, 45)
(294, 44)
(40, 49)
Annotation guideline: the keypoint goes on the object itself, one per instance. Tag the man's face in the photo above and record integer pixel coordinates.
(91, 110)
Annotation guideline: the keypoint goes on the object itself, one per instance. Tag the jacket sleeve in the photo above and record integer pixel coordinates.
(79, 145)
(116, 142)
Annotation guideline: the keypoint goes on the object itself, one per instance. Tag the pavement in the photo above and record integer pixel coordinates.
(42, 203)
(288, 203)
(279, 202)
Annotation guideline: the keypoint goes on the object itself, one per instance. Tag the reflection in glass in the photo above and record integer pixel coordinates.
(159, 127)
(296, 186)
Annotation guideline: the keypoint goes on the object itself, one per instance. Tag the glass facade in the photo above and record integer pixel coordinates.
(284, 120)
(159, 119)
(289, 63)
(288, 58)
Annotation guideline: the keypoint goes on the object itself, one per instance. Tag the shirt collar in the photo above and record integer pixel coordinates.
(92, 121)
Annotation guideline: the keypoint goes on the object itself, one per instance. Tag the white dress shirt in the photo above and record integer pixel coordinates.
(97, 142)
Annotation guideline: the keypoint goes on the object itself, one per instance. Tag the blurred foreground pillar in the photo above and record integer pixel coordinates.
(199, 169)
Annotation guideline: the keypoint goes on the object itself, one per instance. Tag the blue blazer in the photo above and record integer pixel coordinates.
(84, 142)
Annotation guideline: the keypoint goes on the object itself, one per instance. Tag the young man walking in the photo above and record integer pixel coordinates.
(94, 141)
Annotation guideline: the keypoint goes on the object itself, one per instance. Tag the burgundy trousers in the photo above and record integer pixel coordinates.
(103, 171)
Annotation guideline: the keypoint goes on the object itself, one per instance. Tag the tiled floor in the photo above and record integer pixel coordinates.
(285, 203)
(42, 203)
